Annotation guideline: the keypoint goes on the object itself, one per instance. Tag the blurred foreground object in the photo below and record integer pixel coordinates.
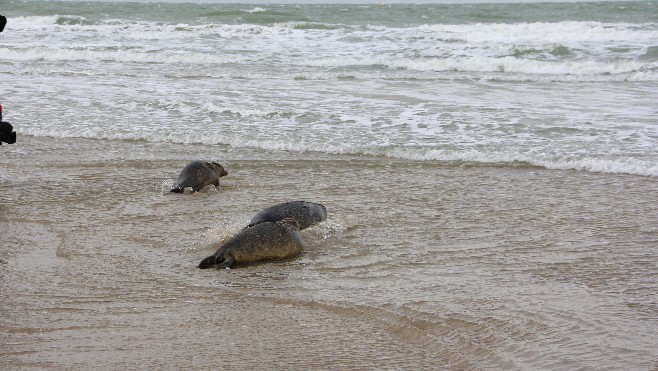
(7, 133)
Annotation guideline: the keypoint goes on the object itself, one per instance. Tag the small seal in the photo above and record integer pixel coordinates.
(199, 174)
(265, 241)
(305, 213)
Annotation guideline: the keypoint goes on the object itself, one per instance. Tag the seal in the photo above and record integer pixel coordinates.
(264, 241)
(305, 213)
(199, 174)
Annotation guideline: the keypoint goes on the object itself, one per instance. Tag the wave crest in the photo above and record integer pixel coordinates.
(460, 157)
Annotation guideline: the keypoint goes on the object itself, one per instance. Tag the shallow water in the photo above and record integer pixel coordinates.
(419, 265)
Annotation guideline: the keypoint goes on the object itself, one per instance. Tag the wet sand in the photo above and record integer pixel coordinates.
(419, 265)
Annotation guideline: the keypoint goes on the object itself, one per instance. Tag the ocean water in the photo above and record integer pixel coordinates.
(489, 171)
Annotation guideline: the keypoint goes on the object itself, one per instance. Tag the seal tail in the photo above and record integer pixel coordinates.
(208, 262)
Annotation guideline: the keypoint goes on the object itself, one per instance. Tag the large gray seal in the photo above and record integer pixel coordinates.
(305, 213)
(199, 174)
(265, 241)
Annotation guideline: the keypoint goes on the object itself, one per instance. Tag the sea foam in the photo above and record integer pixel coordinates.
(562, 94)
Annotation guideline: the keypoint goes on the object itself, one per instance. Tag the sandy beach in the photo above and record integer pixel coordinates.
(432, 267)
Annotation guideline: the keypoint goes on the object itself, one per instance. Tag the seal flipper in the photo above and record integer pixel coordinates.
(208, 262)
(178, 189)
(228, 262)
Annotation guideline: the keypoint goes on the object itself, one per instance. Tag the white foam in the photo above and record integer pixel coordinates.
(125, 56)
(167, 185)
(421, 93)
(615, 166)
(334, 227)
(562, 51)
(31, 21)
(597, 165)
(260, 112)
(604, 164)
(222, 232)
(567, 32)
(255, 10)
(488, 65)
